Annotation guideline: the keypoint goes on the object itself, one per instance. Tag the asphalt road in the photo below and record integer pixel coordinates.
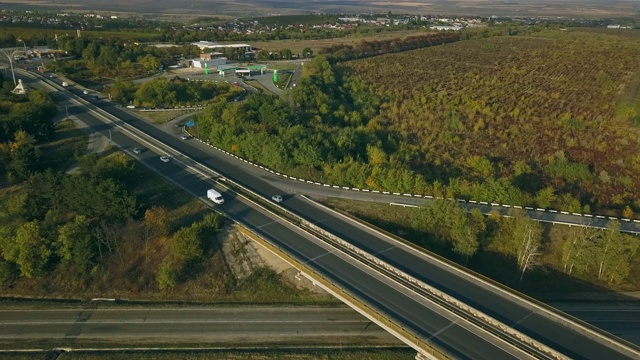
(252, 325)
(409, 311)
(412, 312)
(620, 319)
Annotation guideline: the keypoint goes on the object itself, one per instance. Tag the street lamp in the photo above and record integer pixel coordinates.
(10, 53)
(24, 46)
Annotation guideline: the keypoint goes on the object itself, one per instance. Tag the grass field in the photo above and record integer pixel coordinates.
(68, 143)
(296, 46)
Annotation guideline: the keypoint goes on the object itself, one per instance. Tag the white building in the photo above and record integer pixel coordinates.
(218, 47)
(446, 27)
(213, 63)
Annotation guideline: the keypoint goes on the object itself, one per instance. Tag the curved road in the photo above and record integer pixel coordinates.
(439, 328)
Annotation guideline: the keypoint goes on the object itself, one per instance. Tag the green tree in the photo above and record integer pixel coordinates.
(286, 54)
(24, 156)
(263, 55)
(157, 221)
(545, 197)
(167, 275)
(76, 244)
(520, 237)
(577, 253)
(307, 52)
(614, 253)
(122, 91)
(34, 251)
(149, 62)
(187, 244)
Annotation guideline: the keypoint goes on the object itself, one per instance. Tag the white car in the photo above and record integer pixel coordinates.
(277, 198)
(184, 137)
(85, 92)
(136, 150)
(164, 158)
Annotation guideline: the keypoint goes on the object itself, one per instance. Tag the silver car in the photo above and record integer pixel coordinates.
(277, 198)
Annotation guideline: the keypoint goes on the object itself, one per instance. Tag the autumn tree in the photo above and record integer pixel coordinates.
(156, 223)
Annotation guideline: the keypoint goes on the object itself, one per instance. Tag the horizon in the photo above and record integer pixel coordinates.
(248, 8)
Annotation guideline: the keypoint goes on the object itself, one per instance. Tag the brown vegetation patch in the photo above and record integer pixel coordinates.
(539, 99)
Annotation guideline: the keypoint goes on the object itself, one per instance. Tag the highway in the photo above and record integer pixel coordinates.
(212, 325)
(620, 319)
(447, 333)
(428, 321)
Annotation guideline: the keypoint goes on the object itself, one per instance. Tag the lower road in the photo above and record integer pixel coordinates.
(216, 325)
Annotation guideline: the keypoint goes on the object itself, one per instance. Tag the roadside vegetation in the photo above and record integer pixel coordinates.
(516, 115)
(110, 228)
(496, 119)
(171, 93)
(499, 119)
(345, 353)
(535, 258)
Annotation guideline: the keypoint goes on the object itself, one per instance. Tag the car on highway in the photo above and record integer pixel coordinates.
(85, 92)
(178, 124)
(277, 198)
(184, 137)
(164, 158)
(137, 150)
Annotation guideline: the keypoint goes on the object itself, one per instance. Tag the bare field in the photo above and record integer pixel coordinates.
(296, 46)
(583, 8)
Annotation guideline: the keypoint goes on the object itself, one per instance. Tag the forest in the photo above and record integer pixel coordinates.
(78, 222)
(169, 93)
(550, 119)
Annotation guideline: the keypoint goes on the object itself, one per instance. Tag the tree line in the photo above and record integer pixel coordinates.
(163, 92)
(604, 255)
(364, 49)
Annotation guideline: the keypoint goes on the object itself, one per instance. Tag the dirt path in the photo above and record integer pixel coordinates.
(245, 255)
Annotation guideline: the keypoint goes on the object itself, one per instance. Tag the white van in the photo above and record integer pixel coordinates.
(215, 196)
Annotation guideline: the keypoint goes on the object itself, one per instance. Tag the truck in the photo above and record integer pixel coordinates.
(65, 84)
(215, 196)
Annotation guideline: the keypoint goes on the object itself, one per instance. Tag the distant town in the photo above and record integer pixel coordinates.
(96, 21)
